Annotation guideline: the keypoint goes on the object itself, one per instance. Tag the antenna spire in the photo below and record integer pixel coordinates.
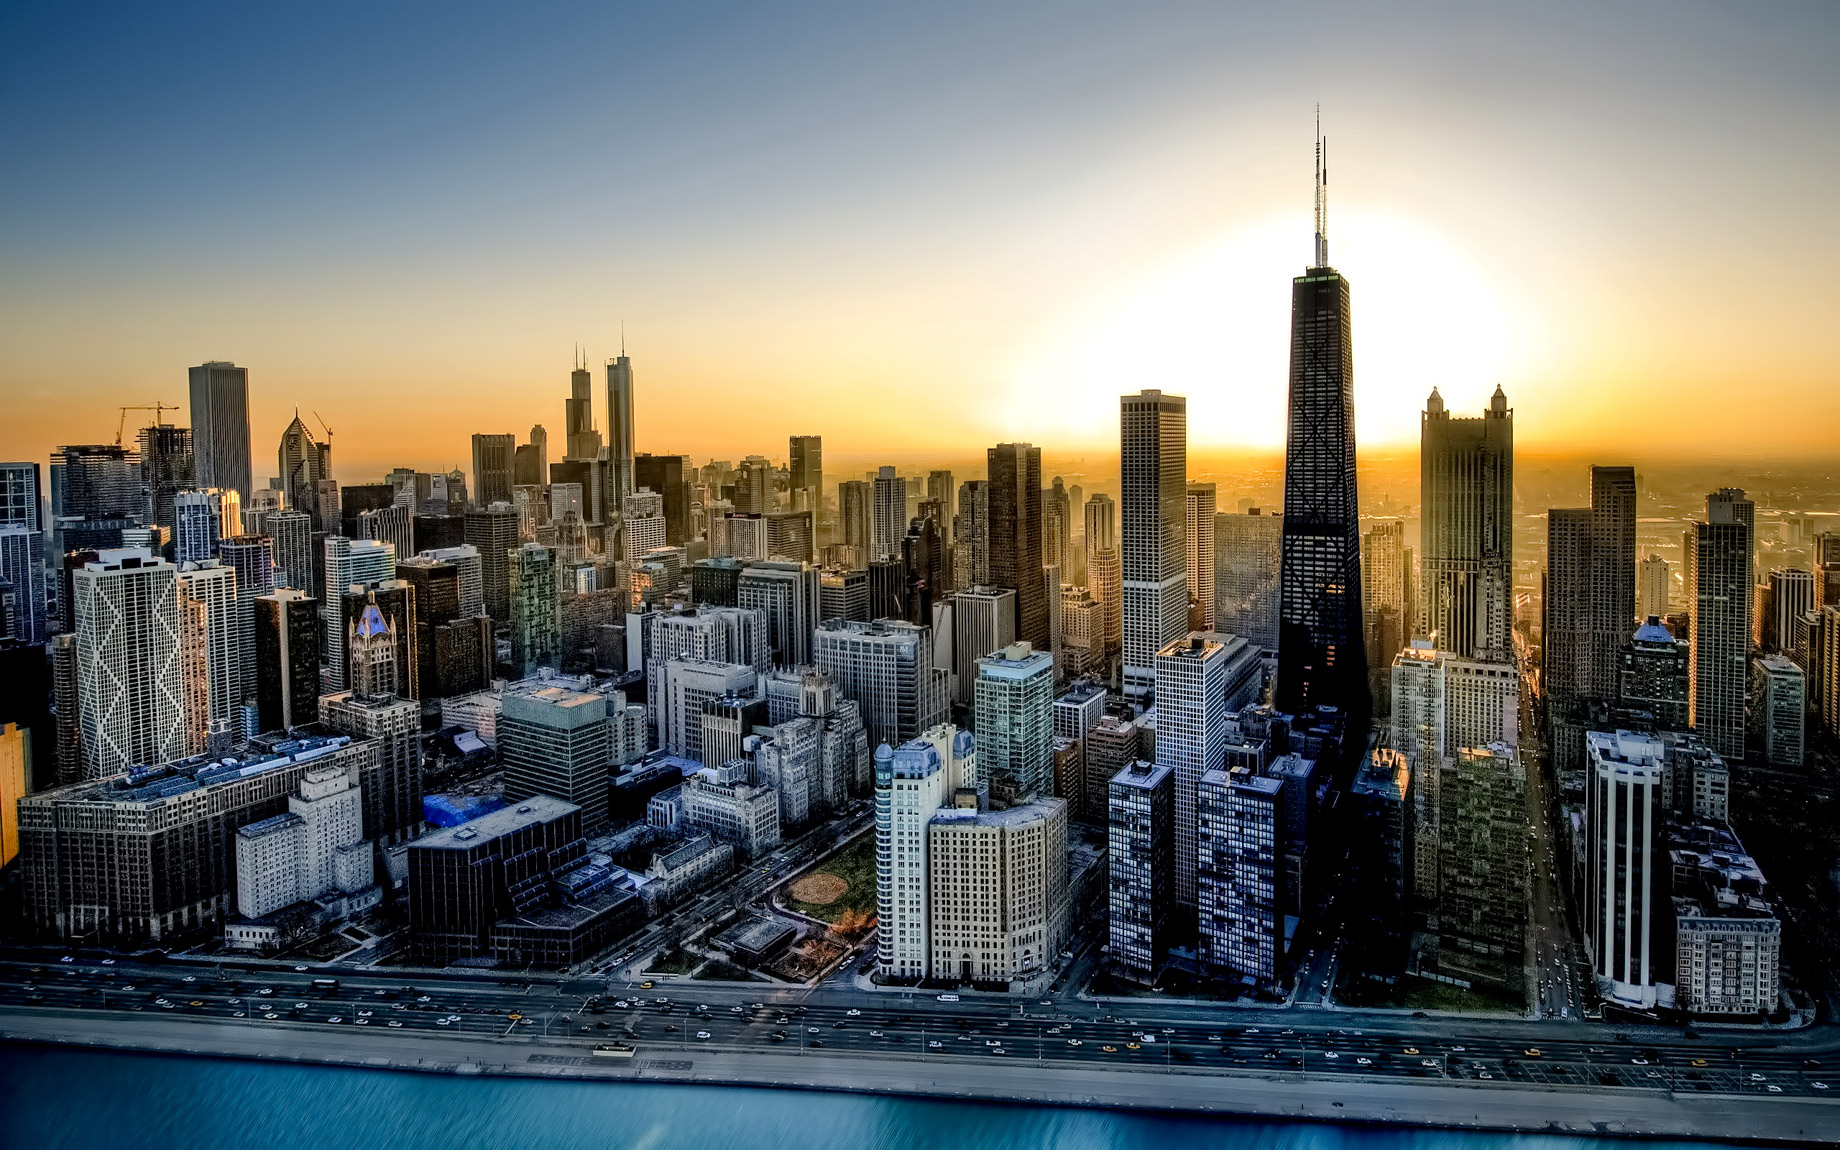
(622, 339)
(1322, 194)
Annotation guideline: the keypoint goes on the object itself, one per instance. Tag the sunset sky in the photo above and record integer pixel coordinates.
(916, 226)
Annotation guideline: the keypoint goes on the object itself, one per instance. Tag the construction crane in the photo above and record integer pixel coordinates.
(323, 427)
(156, 407)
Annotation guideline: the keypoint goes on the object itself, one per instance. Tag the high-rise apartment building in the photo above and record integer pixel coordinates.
(1199, 537)
(1466, 529)
(292, 532)
(912, 782)
(1778, 710)
(1153, 441)
(129, 675)
(1014, 706)
(22, 568)
(1792, 595)
(1380, 810)
(1385, 612)
(220, 427)
(889, 515)
(1654, 587)
(1482, 867)
(1239, 842)
(1015, 543)
(999, 889)
(1140, 867)
(1719, 590)
(1625, 865)
(1191, 729)
(226, 660)
(1565, 633)
(1655, 676)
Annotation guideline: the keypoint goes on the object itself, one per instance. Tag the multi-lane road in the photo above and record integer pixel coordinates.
(1150, 1038)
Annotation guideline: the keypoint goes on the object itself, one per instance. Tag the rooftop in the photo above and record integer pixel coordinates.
(535, 809)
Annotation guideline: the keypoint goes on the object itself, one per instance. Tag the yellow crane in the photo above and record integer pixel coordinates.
(156, 407)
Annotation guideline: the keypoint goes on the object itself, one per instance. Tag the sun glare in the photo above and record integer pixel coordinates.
(1213, 325)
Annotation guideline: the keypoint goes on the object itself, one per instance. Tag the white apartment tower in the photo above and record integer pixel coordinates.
(911, 783)
(131, 700)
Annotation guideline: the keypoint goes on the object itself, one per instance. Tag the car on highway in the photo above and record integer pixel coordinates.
(1109, 1049)
(1075, 1042)
(935, 1045)
(702, 1034)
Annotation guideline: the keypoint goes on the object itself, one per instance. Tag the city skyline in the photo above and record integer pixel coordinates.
(1128, 234)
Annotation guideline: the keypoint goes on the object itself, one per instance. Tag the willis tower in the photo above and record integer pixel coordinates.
(1321, 654)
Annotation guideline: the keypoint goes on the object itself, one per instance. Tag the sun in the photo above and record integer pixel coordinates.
(1213, 325)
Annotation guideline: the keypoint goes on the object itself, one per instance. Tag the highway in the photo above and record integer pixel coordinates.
(1151, 1037)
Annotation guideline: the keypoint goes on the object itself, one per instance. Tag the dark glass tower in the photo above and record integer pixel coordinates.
(1322, 659)
(1015, 536)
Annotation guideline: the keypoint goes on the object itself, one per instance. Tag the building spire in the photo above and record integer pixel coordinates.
(1322, 195)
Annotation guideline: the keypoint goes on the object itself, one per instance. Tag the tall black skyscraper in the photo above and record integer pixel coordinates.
(220, 427)
(1015, 536)
(1321, 656)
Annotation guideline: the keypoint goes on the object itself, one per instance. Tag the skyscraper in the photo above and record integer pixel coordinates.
(286, 659)
(493, 532)
(1153, 481)
(292, 532)
(220, 427)
(1015, 547)
(1565, 631)
(556, 742)
(1321, 656)
(805, 462)
(1191, 729)
(886, 668)
(889, 515)
(1141, 880)
(1384, 614)
(1466, 529)
(1239, 836)
(167, 468)
(1719, 589)
(132, 708)
(1202, 505)
(621, 458)
(1613, 574)
(971, 535)
(535, 609)
(304, 464)
(1655, 588)
(212, 583)
(1625, 869)
(493, 456)
(1014, 702)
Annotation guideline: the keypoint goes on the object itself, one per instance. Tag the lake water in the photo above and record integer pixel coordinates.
(57, 1099)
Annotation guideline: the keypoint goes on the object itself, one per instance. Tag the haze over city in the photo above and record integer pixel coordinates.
(920, 230)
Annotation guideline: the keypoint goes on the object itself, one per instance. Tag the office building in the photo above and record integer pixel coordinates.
(1013, 701)
(1565, 632)
(294, 549)
(15, 784)
(1013, 500)
(1141, 868)
(141, 858)
(518, 886)
(912, 782)
(889, 515)
(1387, 611)
(220, 427)
(536, 612)
(315, 848)
(359, 563)
(727, 722)
(786, 594)
(1111, 745)
(725, 804)
(198, 523)
(1466, 529)
(1778, 711)
(999, 889)
(680, 687)
(1791, 595)
(1624, 870)
(1719, 591)
(621, 473)
(287, 646)
(555, 741)
(1321, 656)
(886, 668)
(805, 472)
(843, 594)
(493, 532)
(983, 621)
(1200, 543)
(1239, 896)
(21, 496)
(1153, 430)
(129, 674)
(1191, 717)
(665, 475)
(971, 535)
(304, 464)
